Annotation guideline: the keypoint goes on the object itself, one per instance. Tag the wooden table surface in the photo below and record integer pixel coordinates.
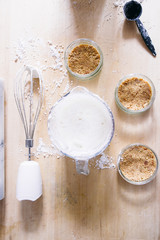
(76, 207)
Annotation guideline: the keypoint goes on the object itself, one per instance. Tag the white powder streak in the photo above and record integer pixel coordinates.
(46, 150)
(30, 51)
(105, 161)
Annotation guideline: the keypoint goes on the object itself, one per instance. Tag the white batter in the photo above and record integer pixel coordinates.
(80, 125)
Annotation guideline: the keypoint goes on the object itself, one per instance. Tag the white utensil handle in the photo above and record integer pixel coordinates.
(29, 181)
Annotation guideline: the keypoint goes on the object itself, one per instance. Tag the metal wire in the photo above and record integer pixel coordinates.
(24, 77)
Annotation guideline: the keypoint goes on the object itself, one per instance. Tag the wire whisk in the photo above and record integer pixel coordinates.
(29, 93)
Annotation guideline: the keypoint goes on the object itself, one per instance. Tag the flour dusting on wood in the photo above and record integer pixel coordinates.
(105, 161)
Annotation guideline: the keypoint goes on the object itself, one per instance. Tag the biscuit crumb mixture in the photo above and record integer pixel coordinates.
(83, 59)
(138, 163)
(134, 93)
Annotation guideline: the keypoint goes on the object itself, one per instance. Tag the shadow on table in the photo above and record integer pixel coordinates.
(130, 30)
(136, 194)
(31, 214)
(135, 126)
(86, 199)
(86, 15)
(89, 83)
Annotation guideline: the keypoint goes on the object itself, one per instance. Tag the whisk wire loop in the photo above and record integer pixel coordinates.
(25, 100)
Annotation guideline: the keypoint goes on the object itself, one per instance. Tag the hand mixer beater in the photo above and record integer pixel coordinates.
(29, 92)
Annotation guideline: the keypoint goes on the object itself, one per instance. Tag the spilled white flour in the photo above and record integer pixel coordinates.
(25, 47)
(46, 56)
(31, 51)
(104, 161)
(46, 150)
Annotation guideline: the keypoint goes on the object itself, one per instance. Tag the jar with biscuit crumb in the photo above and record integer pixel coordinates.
(137, 164)
(135, 93)
(83, 59)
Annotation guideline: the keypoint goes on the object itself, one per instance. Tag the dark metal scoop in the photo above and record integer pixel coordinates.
(133, 11)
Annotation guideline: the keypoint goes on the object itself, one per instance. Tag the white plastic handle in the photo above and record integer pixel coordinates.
(29, 181)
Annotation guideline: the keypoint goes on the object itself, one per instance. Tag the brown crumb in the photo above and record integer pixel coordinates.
(83, 59)
(138, 163)
(134, 93)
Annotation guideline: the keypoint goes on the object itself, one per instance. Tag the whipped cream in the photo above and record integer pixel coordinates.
(81, 125)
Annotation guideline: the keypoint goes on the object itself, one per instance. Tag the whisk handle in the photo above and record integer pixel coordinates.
(29, 145)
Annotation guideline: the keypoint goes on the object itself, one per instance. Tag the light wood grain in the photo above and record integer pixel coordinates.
(100, 206)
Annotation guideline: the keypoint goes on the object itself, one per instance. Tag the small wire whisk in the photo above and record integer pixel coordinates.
(29, 94)
(27, 80)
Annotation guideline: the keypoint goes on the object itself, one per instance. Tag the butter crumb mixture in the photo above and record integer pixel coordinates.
(83, 59)
(134, 93)
(138, 163)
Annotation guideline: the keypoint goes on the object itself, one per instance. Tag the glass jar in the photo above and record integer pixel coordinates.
(139, 76)
(81, 126)
(120, 158)
(69, 50)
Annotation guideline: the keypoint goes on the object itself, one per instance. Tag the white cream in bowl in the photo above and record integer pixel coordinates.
(81, 124)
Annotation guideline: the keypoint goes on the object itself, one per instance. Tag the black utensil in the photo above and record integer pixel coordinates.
(132, 11)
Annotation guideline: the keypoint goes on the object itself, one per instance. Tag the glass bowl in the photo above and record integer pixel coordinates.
(78, 130)
(69, 50)
(142, 182)
(55, 137)
(131, 111)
